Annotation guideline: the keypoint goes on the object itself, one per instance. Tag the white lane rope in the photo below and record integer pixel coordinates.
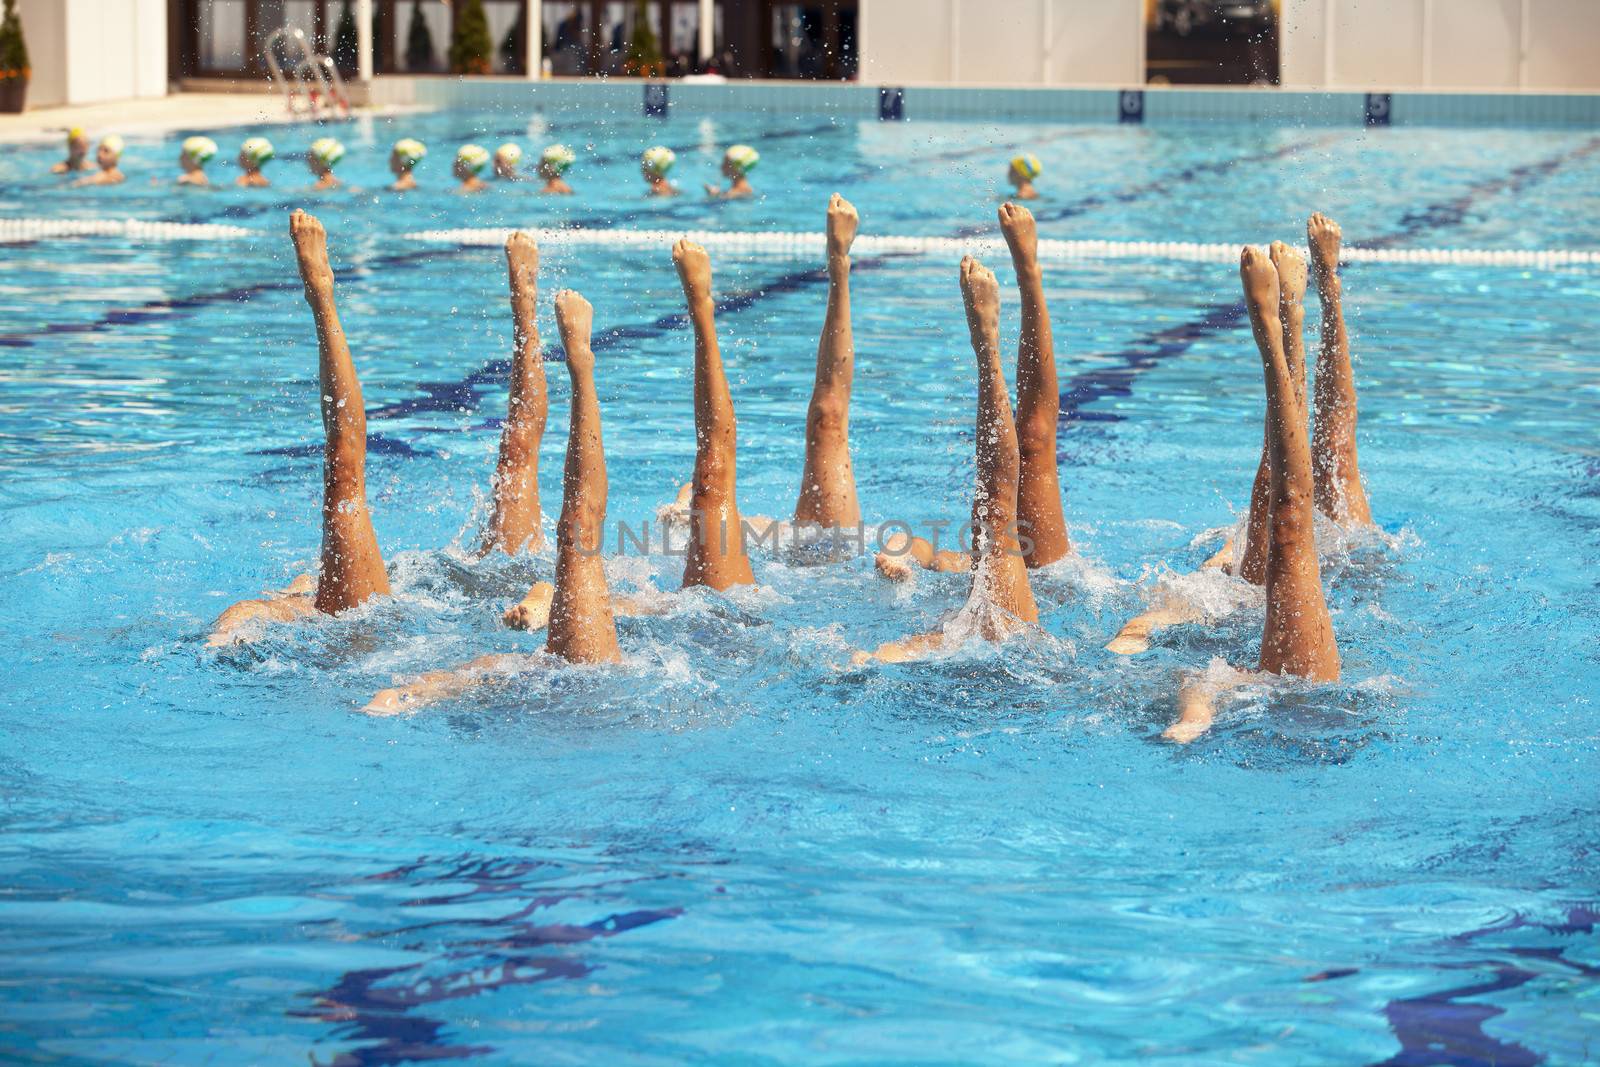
(15, 230)
(813, 245)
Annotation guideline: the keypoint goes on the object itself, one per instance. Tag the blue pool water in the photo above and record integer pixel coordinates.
(735, 849)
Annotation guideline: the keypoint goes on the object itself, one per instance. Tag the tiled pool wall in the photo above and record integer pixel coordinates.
(913, 102)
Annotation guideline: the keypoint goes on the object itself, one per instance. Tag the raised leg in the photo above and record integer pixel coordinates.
(581, 626)
(1039, 511)
(1298, 635)
(515, 522)
(999, 575)
(715, 551)
(1336, 472)
(1291, 270)
(827, 483)
(352, 568)
(999, 571)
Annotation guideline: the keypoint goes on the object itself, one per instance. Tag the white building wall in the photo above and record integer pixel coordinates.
(87, 51)
(1003, 42)
(1493, 45)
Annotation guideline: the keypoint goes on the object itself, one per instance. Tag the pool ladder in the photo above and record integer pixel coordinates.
(312, 87)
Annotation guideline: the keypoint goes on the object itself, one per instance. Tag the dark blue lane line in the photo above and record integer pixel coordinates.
(1156, 348)
(1446, 213)
(1117, 380)
(1444, 1029)
(1159, 185)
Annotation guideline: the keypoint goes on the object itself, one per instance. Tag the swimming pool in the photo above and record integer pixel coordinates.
(736, 849)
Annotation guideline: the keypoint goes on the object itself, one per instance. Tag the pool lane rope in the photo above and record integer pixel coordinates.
(810, 245)
(815, 245)
(14, 230)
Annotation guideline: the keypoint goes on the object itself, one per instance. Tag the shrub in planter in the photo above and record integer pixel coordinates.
(471, 46)
(14, 68)
(644, 52)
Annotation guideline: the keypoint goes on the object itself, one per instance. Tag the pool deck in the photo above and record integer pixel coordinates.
(157, 115)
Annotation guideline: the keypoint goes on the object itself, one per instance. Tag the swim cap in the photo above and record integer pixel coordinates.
(558, 157)
(257, 150)
(510, 152)
(199, 149)
(473, 157)
(743, 158)
(327, 151)
(659, 160)
(410, 150)
(113, 144)
(74, 134)
(1028, 165)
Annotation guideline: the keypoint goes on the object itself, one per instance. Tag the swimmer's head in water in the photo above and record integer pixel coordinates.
(324, 154)
(1026, 167)
(506, 159)
(197, 152)
(255, 153)
(110, 151)
(740, 160)
(470, 160)
(407, 153)
(658, 161)
(554, 161)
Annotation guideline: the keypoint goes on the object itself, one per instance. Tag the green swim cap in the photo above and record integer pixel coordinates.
(472, 156)
(742, 158)
(558, 157)
(410, 150)
(328, 151)
(257, 150)
(200, 150)
(659, 160)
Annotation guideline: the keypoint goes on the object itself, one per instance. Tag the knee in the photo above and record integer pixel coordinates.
(828, 416)
(1036, 436)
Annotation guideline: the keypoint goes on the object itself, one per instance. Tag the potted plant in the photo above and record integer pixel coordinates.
(644, 52)
(470, 44)
(14, 69)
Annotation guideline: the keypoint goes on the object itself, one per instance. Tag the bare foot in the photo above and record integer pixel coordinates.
(895, 568)
(575, 319)
(694, 268)
(1323, 235)
(1291, 267)
(1260, 280)
(1020, 231)
(522, 255)
(981, 295)
(311, 249)
(533, 612)
(303, 585)
(842, 225)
